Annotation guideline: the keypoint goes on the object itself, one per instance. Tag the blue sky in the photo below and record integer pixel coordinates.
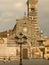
(12, 9)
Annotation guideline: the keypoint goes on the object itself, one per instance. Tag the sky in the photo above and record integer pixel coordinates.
(10, 10)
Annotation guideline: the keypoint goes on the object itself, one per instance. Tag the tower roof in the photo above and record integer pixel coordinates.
(32, 1)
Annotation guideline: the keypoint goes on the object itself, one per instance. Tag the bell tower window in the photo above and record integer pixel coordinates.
(32, 9)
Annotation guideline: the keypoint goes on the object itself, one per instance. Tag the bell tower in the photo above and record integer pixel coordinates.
(32, 9)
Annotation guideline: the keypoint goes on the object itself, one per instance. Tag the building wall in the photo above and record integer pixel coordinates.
(46, 55)
(5, 51)
(3, 46)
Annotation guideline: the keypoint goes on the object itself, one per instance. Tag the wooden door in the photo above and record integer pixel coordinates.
(25, 53)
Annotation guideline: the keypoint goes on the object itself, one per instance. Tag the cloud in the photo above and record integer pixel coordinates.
(6, 4)
(43, 9)
(11, 4)
(9, 9)
(19, 5)
(43, 15)
(14, 6)
(0, 18)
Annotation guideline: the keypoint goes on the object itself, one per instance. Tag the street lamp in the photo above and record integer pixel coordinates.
(20, 39)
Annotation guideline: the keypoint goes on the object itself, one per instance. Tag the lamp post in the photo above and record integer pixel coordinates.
(20, 39)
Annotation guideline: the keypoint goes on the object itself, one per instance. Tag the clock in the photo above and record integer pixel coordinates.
(25, 29)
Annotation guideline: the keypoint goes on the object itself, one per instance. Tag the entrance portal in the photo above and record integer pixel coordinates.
(25, 53)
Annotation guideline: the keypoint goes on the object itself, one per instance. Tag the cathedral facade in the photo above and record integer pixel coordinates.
(28, 26)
